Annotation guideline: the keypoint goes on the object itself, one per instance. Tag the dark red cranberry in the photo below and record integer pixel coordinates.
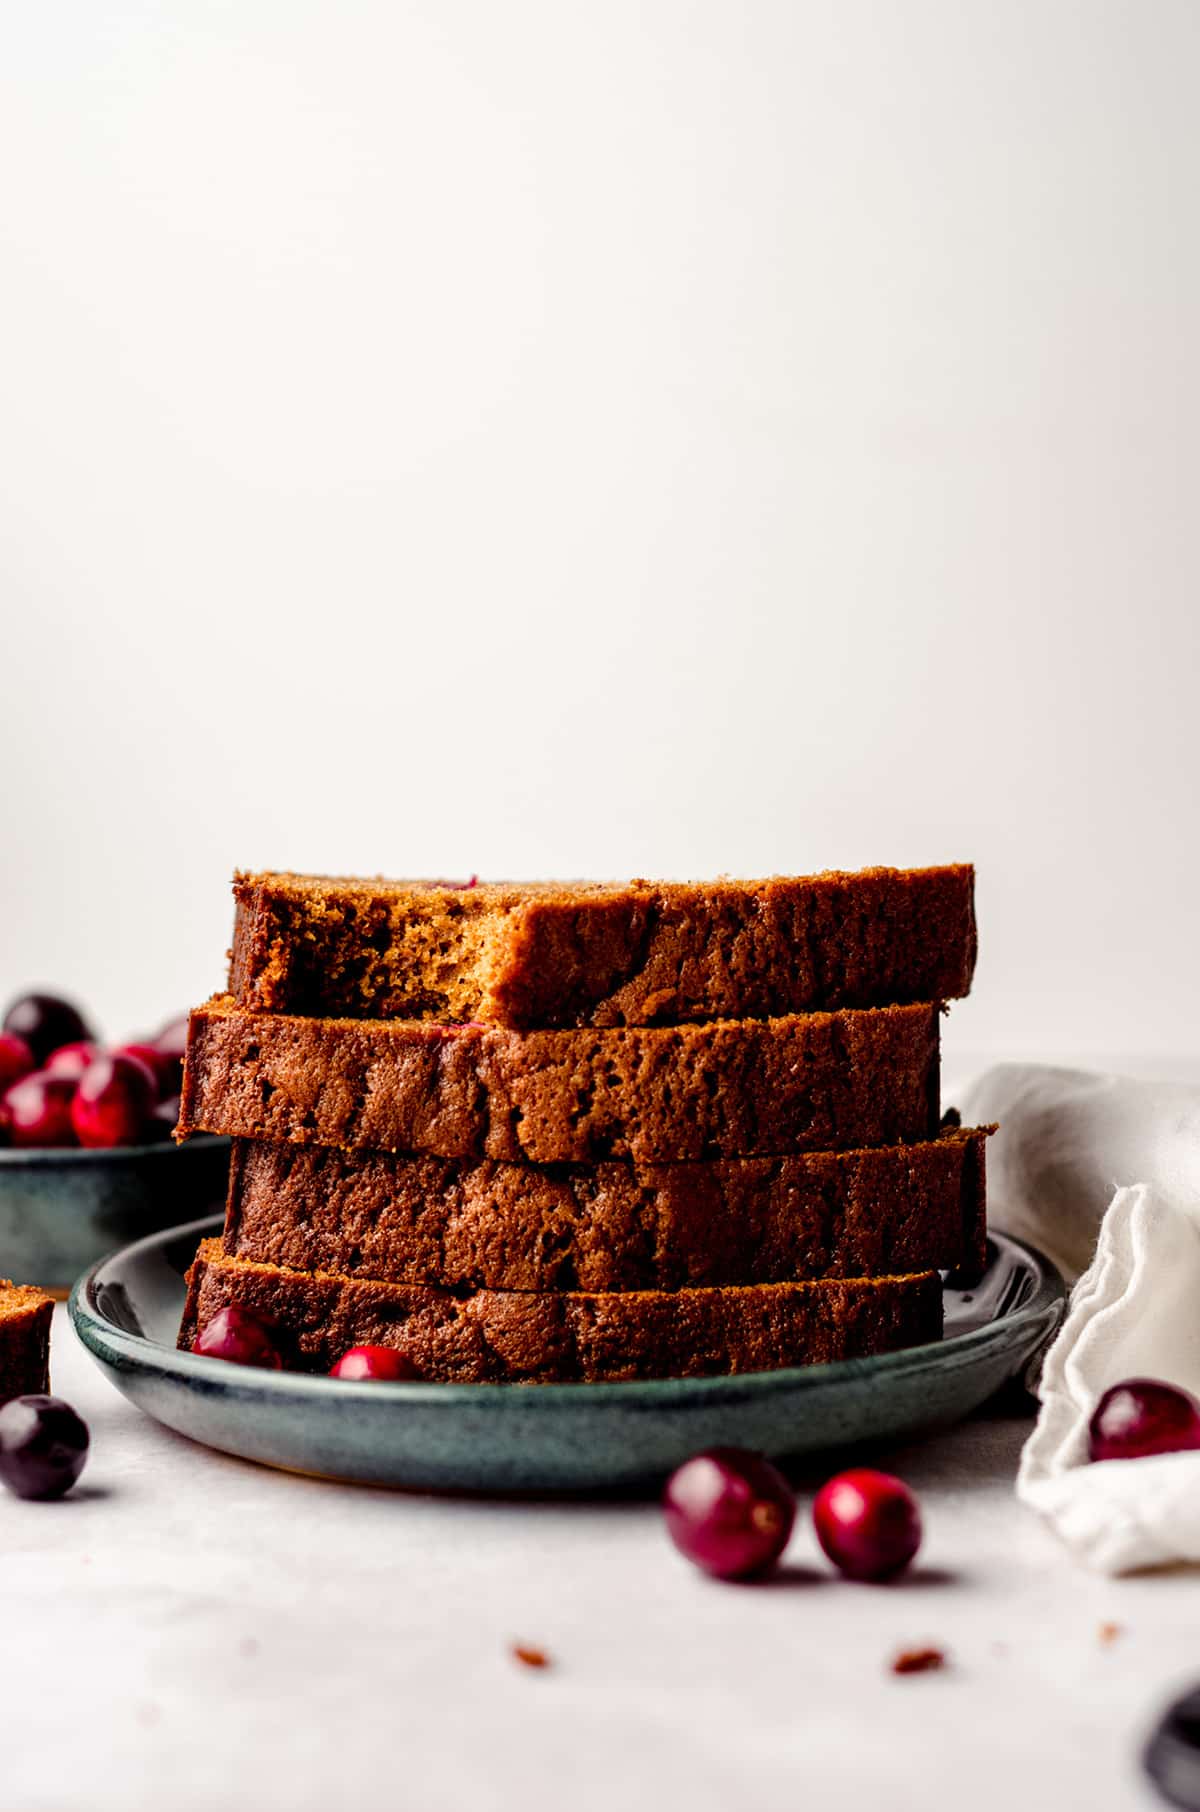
(72, 1059)
(43, 1446)
(38, 1111)
(45, 1022)
(156, 1066)
(1140, 1417)
(16, 1060)
(868, 1523)
(242, 1338)
(113, 1102)
(170, 1044)
(729, 1511)
(376, 1364)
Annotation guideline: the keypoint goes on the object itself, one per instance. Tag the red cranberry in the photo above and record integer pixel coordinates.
(113, 1102)
(171, 1043)
(38, 1110)
(72, 1059)
(43, 1446)
(45, 1022)
(729, 1511)
(375, 1364)
(868, 1523)
(242, 1338)
(151, 1059)
(1140, 1417)
(16, 1060)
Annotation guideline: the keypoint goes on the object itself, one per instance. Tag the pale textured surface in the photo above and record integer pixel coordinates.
(193, 1632)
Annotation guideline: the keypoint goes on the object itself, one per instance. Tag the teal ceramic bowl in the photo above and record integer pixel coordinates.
(62, 1210)
(548, 1437)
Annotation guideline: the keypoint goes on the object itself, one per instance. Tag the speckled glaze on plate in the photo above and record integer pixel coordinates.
(547, 1437)
(61, 1210)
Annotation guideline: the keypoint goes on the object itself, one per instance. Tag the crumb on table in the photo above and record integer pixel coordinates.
(918, 1660)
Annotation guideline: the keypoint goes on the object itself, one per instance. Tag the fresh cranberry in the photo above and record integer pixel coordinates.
(1140, 1417)
(38, 1110)
(43, 1446)
(45, 1022)
(16, 1060)
(375, 1364)
(72, 1059)
(171, 1043)
(868, 1523)
(729, 1511)
(113, 1102)
(237, 1335)
(150, 1059)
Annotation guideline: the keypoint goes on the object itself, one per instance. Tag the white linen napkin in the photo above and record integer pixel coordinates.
(1103, 1175)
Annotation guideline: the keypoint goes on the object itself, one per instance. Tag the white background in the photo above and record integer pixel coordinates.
(565, 438)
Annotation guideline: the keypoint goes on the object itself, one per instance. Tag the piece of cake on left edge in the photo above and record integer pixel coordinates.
(24, 1340)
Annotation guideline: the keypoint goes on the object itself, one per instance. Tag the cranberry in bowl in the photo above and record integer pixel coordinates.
(87, 1162)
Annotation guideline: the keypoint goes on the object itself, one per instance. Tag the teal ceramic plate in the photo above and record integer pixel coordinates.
(61, 1210)
(547, 1437)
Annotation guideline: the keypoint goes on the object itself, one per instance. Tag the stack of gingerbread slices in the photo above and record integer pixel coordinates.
(588, 1131)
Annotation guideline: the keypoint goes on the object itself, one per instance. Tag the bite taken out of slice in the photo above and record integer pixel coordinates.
(548, 954)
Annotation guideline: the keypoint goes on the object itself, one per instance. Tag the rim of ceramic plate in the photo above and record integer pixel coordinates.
(1036, 1316)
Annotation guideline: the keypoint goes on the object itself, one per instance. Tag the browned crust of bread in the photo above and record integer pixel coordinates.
(508, 1335)
(604, 954)
(744, 1088)
(613, 1226)
(24, 1340)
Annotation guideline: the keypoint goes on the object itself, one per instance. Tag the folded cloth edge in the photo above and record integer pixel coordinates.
(1121, 1515)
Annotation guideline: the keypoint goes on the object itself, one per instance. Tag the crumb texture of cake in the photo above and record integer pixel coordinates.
(611, 1226)
(506, 1335)
(554, 954)
(746, 1088)
(24, 1340)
